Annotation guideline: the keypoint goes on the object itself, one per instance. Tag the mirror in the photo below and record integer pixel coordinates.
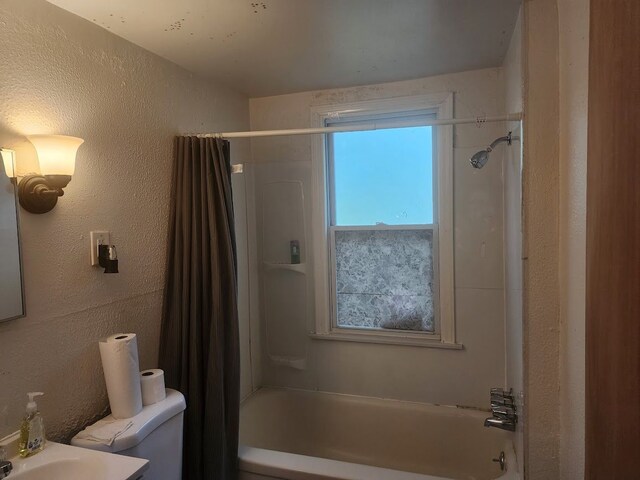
(11, 288)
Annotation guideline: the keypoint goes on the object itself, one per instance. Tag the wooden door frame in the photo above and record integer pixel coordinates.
(613, 243)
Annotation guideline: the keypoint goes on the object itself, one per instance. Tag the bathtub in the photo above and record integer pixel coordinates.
(302, 435)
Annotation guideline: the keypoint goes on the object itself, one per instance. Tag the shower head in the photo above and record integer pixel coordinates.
(479, 159)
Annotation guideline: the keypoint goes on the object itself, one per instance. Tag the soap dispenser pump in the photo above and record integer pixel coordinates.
(32, 438)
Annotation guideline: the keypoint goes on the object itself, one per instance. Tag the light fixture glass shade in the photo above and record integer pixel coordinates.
(8, 159)
(56, 153)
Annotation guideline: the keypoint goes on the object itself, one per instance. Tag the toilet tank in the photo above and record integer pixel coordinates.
(156, 435)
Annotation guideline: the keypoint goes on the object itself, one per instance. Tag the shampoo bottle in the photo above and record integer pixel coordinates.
(294, 245)
(32, 429)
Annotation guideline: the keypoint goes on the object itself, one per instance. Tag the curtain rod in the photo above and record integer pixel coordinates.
(479, 121)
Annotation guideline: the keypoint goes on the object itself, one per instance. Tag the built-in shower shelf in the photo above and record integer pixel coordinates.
(292, 267)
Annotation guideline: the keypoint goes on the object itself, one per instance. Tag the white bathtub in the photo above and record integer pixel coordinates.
(301, 435)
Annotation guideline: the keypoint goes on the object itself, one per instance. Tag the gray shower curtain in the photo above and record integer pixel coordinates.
(199, 347)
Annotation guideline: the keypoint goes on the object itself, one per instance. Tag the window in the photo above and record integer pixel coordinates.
(381, 230)
(382, 176)
(384, 262)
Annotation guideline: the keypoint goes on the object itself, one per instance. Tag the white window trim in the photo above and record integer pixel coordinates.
(442, 106)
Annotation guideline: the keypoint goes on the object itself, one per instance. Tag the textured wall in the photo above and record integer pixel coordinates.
(541, 198)
(61, 74)
(574, 60)
(404, 372)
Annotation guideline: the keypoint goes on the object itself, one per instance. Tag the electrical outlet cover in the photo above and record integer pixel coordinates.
(98, 238)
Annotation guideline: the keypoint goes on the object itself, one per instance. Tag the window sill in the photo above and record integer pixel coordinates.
(414, 340)
(292, 267)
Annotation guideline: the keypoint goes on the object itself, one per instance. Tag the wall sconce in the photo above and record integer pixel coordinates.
(8, 160)
(57, 158)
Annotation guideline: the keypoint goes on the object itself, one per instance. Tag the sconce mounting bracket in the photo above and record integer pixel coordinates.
(36, 194)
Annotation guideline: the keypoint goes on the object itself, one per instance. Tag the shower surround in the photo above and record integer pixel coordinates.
(461, 377)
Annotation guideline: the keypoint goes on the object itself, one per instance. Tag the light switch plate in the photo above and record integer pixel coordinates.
(98, 238)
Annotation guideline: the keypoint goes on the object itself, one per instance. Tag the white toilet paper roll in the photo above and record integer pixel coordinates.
(119, 355)
(152, 382)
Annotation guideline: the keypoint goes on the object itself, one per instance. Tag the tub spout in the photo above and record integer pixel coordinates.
(501, 423)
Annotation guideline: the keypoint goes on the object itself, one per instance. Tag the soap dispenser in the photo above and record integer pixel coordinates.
(32, 429)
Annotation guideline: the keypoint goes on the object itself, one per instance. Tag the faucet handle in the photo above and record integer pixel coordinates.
(506, 400)
(5, 468)
(502, 392)
(504, 411)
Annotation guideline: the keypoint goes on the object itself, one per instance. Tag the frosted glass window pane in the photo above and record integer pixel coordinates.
(384, 279)
(383, 177)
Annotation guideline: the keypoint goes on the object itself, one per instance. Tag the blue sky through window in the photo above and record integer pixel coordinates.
(383, 176)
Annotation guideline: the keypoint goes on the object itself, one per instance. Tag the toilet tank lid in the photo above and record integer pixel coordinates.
(150, 418)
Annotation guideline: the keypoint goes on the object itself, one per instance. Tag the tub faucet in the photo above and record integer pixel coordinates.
(503, 410)
(501, 423)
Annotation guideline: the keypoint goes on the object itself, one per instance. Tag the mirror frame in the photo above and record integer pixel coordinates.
(22, 288)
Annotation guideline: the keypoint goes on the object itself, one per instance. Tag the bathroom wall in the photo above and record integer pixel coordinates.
(512, 174)
(541, 235)
(555, 63)
(405, 372)
(574, 59)
(61, 74)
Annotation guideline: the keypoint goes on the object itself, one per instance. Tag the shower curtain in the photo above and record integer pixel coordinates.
(199, 346)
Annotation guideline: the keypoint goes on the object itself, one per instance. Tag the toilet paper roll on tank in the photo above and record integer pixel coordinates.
(119, 354)
(152, 383)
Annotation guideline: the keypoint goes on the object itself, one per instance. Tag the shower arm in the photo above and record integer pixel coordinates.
(507, 138)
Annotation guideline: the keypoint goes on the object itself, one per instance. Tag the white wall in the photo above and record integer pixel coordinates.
(413, 373)
(512, 173)
(61, 74)
(574, 60)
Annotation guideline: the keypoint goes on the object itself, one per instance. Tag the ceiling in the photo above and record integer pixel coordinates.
(270, 47)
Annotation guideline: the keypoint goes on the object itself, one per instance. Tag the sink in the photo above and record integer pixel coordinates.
(64, 462)
(75, 468)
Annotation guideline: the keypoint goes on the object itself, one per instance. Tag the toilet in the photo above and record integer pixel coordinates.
(156, 435)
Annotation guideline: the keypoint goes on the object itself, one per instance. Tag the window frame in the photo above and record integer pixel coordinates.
(441, 106)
